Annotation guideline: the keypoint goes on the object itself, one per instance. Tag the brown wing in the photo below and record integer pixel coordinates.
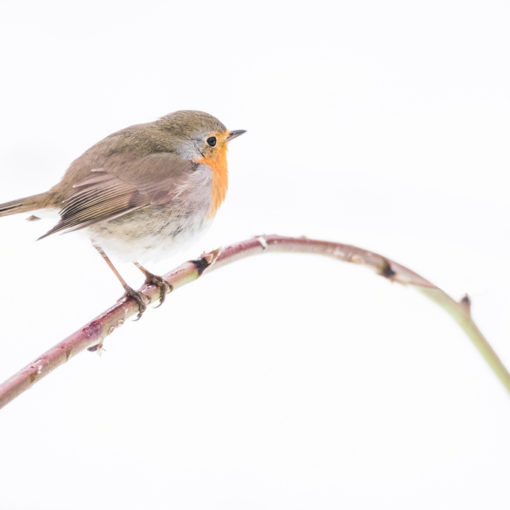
(123, 187)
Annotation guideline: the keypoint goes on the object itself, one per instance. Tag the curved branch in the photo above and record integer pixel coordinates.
(92, 334)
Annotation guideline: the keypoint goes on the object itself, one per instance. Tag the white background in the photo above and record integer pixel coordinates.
(282, 381)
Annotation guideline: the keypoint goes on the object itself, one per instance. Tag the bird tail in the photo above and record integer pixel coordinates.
(24, 204)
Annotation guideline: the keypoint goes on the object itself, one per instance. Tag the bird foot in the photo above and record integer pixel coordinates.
(139, 298)
(159, 282)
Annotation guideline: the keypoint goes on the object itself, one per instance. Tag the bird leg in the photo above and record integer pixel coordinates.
(129, 291)
(153, 279)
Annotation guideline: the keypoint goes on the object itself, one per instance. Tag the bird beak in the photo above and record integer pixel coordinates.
(235, 134)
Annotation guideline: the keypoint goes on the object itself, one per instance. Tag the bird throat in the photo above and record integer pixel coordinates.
(218, 164)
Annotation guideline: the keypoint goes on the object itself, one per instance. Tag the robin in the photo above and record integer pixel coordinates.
(142, 192)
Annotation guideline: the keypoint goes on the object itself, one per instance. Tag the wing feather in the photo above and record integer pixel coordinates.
(108, 193)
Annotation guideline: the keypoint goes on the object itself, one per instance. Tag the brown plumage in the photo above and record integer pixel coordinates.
(109, 192)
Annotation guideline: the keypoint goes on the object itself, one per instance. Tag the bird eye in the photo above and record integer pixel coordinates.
(211, 141)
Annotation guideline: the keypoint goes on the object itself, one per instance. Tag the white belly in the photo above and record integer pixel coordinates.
(147, 236)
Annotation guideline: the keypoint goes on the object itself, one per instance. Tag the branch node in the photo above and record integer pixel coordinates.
(206, 260)
(93, 330)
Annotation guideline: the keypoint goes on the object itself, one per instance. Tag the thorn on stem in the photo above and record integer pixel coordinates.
(466, 303)
(262, 241)
(96, 347)
(386, 270)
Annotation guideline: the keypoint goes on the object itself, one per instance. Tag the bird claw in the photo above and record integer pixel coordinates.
(161, 284)
(139, 298)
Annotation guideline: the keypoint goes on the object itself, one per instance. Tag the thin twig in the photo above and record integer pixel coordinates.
(93, 334)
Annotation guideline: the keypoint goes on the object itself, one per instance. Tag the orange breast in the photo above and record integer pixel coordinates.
(218, 164)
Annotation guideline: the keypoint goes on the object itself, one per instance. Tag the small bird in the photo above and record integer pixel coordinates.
(142, 192)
